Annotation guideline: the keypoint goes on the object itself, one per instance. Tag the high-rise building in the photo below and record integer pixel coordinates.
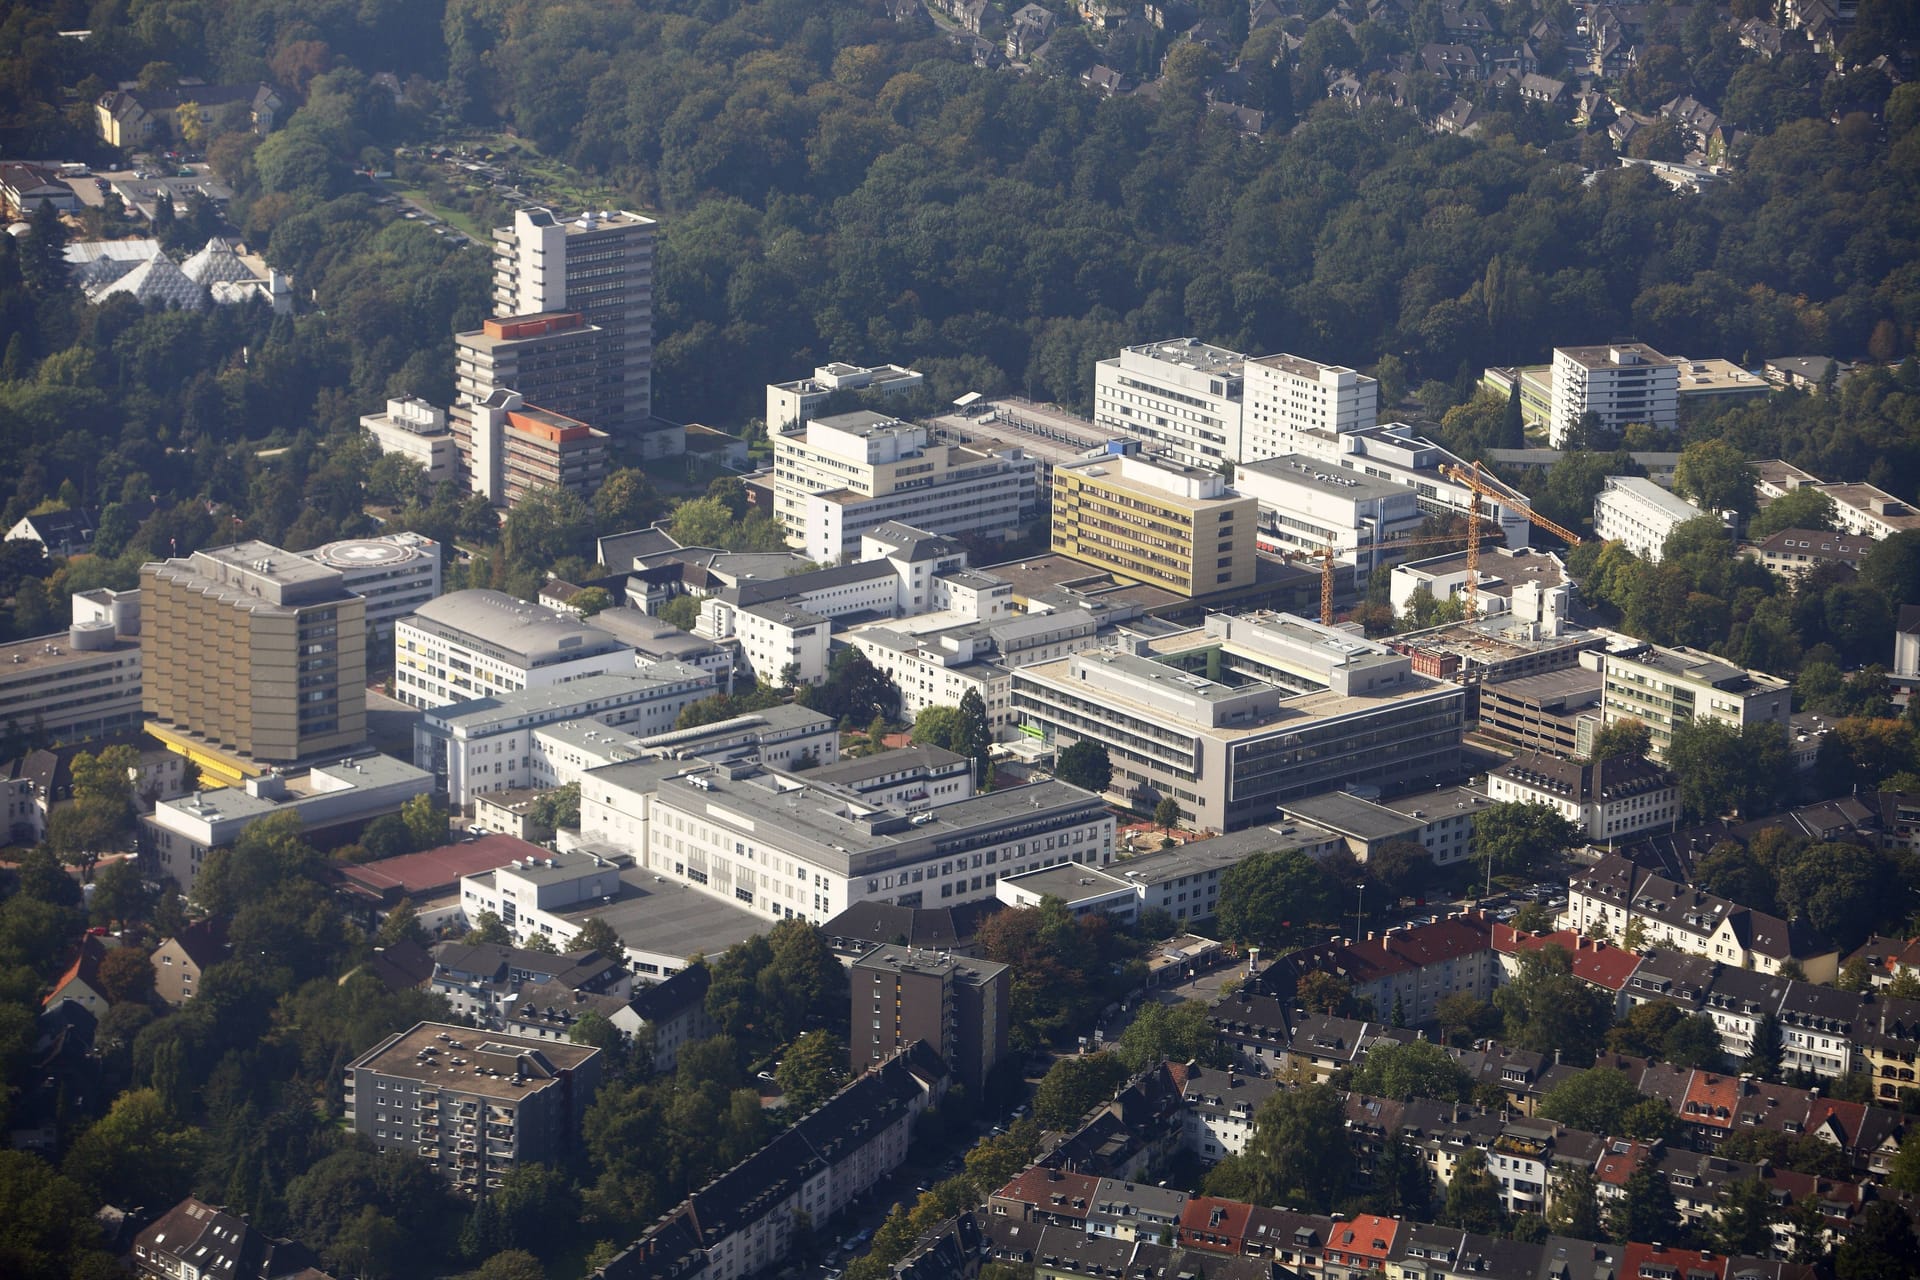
(555, 359)
(1619, 384)
(517, 447)
(600, 265)
(1155, 521)
(1302, 406)
(252, 657)
(958, 1005)
(1183, 397)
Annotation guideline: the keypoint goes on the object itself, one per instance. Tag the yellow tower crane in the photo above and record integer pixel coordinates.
(1483, 486)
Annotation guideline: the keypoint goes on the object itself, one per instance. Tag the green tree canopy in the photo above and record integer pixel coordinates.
(1274, 898)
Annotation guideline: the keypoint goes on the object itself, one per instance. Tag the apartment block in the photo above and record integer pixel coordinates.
(958, 1006)
(788, 845)
(600, 265)
(1614, 894)
(1299, 406)
(252, 657)
(1183, 397)
(472, 1104)
(395, 574)
(791, 404)
(1411, 969)
(1155, 522)
(555, 358)
(837, 478)
(1620, 384)
(418, 432)
(479, 643)
(1542, 712)
(483, 745)
(1792, 553)
(518, 447)
(1639, 514)
(1665, 687)
(1232, 718)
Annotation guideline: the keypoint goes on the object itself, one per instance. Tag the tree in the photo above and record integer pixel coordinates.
(812, 1070)
(426, 822)
(591, 600)
(1167, 813)
(488, 928)
(1473, 1196)
(625, 500)
(1547, 1009)
(1074, 1086)
(1594, 1100)
(126, 975)
(1802, 508)
(401, 925)
(1273, 898)
(558, 809)
(1298, 1153)
(138, 1153)
(48, 1231)
(682, 611)
(119, 893)
(1716, 476)
(1646, 1211)
(937, 726)
(1417, 1069)
(1573, 1209)
(1663, 1030)
(1515, 836)
(1722, 769)
(1402, 1185)
(973, 737)
(1625, 737)
(1744, 1223)
(544, 526)
(1168, 1033)
(1084, 765)
(1904, 1175)
(1879, 1244)
(597, 935)
(100, 817)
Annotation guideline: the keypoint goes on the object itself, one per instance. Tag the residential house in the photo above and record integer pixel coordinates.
(1402, 972)
(1793, 553)
(1596, 962)
(1030, 27)
(195, 1238)
(182, 960)
(671, 1014)
(80, 981)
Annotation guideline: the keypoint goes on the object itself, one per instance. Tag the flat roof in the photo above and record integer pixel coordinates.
(1218, 852)
(529, 633)
(854, 770)
(358, 773)
(1652, 494)
(480, 713)
(861, 422)
(1501, 570)
(667, 918)
(1299, 366)
(1041, 574)
(57, 650)
(1350, 815)
(478, 1062)
(1070, 882)
(1549, 686)
(412, 874)
(1191, 353)
(1323, 477)
(1437, 802)
(1601, 355)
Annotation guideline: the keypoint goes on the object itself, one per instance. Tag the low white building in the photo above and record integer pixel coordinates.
(331, 800)
(786, 846)
(418, 432)
(789, 404)
(1531, 585)
(491, 744)
(477, 644)
(396, 573)
(529, 894)
(1607, 799)
(782, 737)
(1639, 514)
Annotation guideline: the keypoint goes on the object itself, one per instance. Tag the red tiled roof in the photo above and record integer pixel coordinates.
(1051, 1191)
(1683, 1262)
(412, 875)
(85, 968)
(1208, 1221)
(1711, 1099)
(1598, 962)
(1404, 951)
(1365, 1235)
(1620, 1160)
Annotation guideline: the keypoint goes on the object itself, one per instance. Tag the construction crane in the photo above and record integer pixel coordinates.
(1328, 563)
(1488, 487)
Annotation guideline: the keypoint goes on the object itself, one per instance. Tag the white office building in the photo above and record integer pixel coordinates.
(1620, 384)
(491, 744)
(395, 573)
(787, 846)
(1183, 397)
(1308, 504)
(477, 644)
(1299, 406)
(836, 478)
(418, 432)
(789, 404)
(1639, 514)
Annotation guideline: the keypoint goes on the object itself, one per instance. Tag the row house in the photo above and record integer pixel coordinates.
(1616, 898)
(1600, 964)
(1292, 1044)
